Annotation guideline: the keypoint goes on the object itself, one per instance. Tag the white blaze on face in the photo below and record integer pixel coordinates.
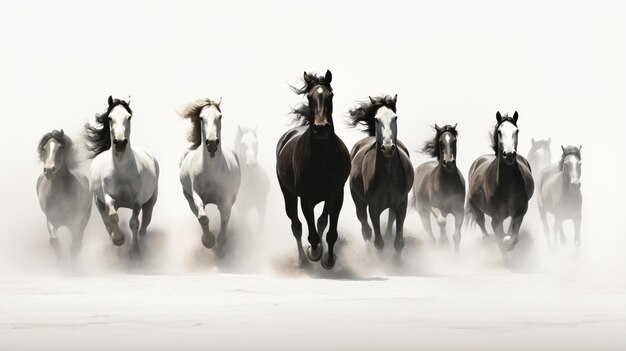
(211, 123)
(571, 165)
(52, 146)
(507, 134)
(249, 145)
(120, 123)
(386, 132)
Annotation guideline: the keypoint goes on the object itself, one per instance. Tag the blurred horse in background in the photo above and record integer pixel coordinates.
(559, 194)
(539, 157)
(64, 194)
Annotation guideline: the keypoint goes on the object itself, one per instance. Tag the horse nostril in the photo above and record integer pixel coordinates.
(327, 125)
(217, 141)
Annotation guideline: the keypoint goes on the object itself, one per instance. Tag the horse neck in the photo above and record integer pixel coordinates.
(318, 147)
(216, 160)
(443, 175)
(384, 163)
(124, 159)
(504, 171)
(62, 177)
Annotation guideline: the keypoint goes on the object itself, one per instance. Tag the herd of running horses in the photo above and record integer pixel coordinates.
(312, 165)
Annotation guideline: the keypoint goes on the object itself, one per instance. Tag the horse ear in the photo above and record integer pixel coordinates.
(549, 140)
(456, 124)
(437, 128)
(62, 132)
(580, 147)
(328, 76)
(515, 116)
(372, 100)
(219, 102)
(256, 127)
(498, 117)
(532, 141)
(306, 77)
(395, 99)
(562, 148)
(110, 100)
(238, 128)
(128, 101)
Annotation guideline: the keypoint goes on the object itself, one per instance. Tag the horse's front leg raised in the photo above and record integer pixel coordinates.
(117, 236)
(314, 252)
(197, 207)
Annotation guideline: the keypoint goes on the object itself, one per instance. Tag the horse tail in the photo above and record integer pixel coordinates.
(470, 214)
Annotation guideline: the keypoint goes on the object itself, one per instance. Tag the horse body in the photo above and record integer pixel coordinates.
(501, 185)
(209, 174)
(255, 184)
(313, 164)
(382, 173)
(439, 187)
(559, 193)
(63, 191)
(122, 176)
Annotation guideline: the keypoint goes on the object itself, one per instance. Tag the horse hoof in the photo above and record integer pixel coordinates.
(118, 241)
(203, 219)
(328, 262)
(367, 235)
(379, 244)
(114, 218)
(54, 242)
(314, 254)
(208, 240)
(509, 242)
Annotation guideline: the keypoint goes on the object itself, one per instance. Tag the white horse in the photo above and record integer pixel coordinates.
(121, 175)
(255, 183)
(209, 173)
(559, 194)
(63, 191)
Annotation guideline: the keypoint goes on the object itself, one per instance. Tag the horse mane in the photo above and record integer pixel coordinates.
(69, 149)
(494, 134)
(569, 151)
(98, 138)
(431, 147)
(302, 113)
(192, 113)
(365, 112)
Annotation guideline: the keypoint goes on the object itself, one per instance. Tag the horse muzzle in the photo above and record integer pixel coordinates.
(575, 184)
(388, 150)
(449, 165)
(120, 145)
(49, 172)
(211, 146)
(509, 157)
(321, 131)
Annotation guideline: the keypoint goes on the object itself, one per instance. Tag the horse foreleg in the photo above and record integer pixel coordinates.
(291, 208)
(425, 217)
(441, 221)
(512, 238)
(361, 214)
(558, 228)
(322, 221)
(146, 214)
(134, 229)
(197, 207)
(390, 219)
(314, 252)
(400, 215)
(101, 206)
(54, 239)
(459, 216)
(577, 232)
(336, 203)
(222, 238)
(374, 212)
(117, 237)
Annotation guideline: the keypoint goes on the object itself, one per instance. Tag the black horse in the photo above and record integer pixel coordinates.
(313, 163)
(439, 186)
(501, 185)
(382, 174)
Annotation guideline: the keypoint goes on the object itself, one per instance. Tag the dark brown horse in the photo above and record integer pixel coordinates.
(312, 163)
(501, 185)
(439, 185)
(382, 173)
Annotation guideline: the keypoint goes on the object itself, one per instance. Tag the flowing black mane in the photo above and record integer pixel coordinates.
(365, 112)
(567, 151)
(98, 138)
(431, 147)
(69, 151)
(494, 134)
(192, 113)
(302, 113)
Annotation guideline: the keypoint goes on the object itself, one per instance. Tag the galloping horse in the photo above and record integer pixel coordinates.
(382, 173)
(559, 193)
(501, 185)
(121, 175)
(539, 156)
(313, 163)
(439, 185)
(254, 180)
(209, 173)
(63, 191)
